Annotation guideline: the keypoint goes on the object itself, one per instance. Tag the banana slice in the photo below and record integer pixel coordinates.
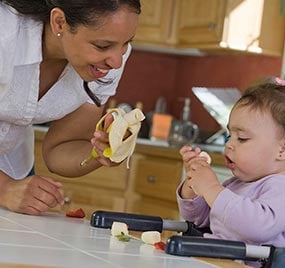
(119, 228)
(120, 148)
(205, 154)
(151, 237)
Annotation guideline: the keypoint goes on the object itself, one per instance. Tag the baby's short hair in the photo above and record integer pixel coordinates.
(266, 97)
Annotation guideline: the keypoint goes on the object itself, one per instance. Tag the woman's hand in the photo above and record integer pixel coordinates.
(100, 142)
(32, 195)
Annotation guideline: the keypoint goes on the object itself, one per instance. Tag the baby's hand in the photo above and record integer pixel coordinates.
(188, 156)
(188, 153)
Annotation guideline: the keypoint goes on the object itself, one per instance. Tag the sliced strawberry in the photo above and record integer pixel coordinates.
(159, 245)
(78, 213)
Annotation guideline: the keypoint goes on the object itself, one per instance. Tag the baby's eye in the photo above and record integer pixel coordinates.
(242, 139)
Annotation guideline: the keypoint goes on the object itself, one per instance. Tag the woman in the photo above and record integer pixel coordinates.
(60, 61)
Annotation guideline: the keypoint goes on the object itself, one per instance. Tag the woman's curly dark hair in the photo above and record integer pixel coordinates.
(77, 12)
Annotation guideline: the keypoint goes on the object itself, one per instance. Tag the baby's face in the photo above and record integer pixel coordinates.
(254, 144)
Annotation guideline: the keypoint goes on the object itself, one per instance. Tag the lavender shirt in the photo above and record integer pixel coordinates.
(252, 212)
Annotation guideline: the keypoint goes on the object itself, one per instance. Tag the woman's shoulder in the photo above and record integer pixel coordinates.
(9, 29)
(10, 22)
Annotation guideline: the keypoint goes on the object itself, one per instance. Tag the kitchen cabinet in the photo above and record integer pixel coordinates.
(155, 23)
(155, 177)
(213, 25)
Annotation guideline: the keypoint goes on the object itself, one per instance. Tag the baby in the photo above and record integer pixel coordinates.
(248, 207)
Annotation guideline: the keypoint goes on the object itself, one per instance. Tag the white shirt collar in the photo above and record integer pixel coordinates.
(30, 34)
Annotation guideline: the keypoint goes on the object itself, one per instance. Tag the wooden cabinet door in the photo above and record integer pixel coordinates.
(201, 21)
(248, 26)
(254, 26)
(155, 21)
(158, 177)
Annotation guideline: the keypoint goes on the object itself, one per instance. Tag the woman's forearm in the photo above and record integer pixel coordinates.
(68, 142)
(65, 159)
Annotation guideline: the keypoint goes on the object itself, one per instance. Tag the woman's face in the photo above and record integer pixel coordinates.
(94, 50)
(254, 144)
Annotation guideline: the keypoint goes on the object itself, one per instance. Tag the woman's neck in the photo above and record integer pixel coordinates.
(51, 46)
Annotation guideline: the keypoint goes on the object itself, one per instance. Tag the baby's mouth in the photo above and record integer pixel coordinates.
(229, 163)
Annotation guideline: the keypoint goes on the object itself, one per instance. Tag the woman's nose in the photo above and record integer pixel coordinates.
(115, 59)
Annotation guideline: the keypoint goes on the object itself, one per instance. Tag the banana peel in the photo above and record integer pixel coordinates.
(120, 148)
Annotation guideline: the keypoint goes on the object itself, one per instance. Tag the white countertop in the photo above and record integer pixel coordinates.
(55, 240)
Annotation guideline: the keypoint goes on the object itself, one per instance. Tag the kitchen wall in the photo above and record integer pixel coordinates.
(149, 75)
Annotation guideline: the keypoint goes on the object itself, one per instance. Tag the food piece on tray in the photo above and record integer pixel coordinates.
(160, 245)
(151, 237)
(124, 238)
(78, 213)
(119, 228)
(207, 156)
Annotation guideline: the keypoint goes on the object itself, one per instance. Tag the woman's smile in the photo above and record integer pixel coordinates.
(97, 72)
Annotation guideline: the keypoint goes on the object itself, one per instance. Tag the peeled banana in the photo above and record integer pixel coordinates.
(120, 148)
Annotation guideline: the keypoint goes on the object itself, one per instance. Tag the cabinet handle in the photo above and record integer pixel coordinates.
(212, 26)
(67, 200)
(151, 179)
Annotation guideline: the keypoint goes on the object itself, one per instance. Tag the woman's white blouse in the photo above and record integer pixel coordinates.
(20, 57)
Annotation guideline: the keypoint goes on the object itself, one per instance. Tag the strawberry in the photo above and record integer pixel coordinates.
(159, 245)
(78, 213)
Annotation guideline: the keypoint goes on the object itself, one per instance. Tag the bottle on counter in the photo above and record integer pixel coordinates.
(183, 131)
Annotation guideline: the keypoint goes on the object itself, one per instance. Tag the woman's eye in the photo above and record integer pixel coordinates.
(101, 47)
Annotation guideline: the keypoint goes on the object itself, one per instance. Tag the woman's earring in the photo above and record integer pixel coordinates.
(58, 34)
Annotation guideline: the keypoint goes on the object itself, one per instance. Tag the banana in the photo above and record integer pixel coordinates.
(151, 237)
(208, 157)
(120, 148)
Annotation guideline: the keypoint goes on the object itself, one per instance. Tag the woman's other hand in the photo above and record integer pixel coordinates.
(100, 142)
(32, 195)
